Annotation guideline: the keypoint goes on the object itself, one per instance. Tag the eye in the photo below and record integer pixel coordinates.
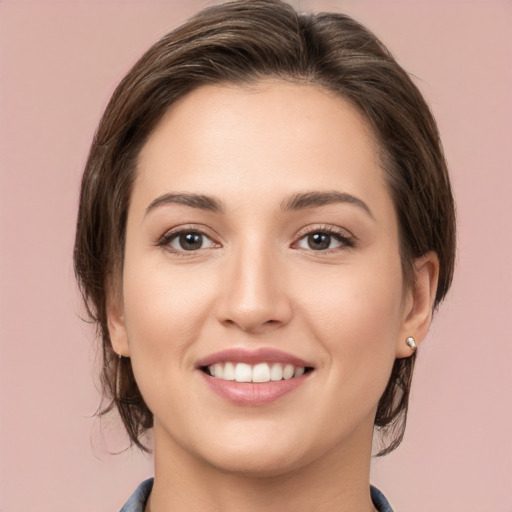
(324, 240)
(188, 241)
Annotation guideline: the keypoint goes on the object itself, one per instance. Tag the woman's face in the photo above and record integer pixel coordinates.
(261, 243)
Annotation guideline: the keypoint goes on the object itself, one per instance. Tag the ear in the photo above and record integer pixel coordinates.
(419, 302)
(115, 321)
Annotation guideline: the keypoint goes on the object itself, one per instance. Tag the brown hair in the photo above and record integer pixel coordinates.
(242, 42)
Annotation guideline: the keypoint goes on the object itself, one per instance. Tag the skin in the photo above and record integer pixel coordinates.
(256, 282)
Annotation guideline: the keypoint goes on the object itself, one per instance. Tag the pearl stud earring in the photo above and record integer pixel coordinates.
(411, 342)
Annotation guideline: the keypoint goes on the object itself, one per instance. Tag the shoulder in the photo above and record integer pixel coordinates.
(379, 500)
(138, 499)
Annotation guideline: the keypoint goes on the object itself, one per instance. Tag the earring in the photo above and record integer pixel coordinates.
(411, 342)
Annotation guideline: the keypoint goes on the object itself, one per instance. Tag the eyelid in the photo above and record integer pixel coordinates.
(165, 240)
(347, 239)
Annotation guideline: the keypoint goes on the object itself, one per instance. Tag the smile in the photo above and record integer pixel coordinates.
(260, 372)
(253, 377)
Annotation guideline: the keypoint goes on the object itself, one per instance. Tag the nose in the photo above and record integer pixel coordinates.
(254, 294)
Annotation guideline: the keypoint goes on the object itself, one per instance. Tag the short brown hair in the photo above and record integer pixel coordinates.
(242, 42)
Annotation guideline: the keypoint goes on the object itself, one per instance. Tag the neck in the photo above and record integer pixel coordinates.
(338, 480)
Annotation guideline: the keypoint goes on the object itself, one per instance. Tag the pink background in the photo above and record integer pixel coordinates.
(59, 62)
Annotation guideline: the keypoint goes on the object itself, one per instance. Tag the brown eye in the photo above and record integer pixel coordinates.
(190, 241)
(319, 241)
(324, 240)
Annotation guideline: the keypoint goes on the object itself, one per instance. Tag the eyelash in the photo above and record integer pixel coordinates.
(346, 241)
(166, 240)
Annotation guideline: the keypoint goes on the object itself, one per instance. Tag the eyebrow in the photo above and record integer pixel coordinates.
(295, 202)
(315, 199)
(200, 201)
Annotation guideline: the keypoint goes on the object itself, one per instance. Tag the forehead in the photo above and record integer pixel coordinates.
(273, 138)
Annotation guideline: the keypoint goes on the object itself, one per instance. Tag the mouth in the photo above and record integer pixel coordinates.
(253, 377)
(257, 373)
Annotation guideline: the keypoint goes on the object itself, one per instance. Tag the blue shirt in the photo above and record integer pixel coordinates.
(138, 499)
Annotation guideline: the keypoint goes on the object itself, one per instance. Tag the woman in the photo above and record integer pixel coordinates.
(266, 225)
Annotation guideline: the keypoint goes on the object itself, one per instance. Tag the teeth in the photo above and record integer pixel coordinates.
(276, 372)
(229, 372)
(261, 372)
(298, 371)
(288, 371)
(217, 370)
(243, 372)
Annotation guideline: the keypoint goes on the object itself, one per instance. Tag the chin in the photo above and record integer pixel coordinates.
(257, 465)
(258, 454)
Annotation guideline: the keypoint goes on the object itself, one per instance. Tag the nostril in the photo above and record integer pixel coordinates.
(252, 322)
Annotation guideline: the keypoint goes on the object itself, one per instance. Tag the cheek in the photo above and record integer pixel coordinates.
(164, 310)
(356, 314)
(354, 298)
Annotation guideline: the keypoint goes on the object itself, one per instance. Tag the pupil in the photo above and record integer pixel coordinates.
(191, 241)
(318, 241)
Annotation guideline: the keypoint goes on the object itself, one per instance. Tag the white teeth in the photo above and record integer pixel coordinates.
(217, 370)
(288, 371)
(261, 372)
(229, 371)
(276, 372)
(243, 372)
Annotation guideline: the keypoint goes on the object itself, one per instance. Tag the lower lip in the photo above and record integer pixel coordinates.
(250, 393)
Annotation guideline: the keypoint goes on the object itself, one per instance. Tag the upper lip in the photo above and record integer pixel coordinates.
(261, 355)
